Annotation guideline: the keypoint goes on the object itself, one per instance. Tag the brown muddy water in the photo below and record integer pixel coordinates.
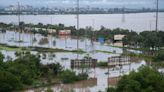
(100, 78)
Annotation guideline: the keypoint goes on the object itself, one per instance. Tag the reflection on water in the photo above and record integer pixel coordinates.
(101, 78)
(12, 38)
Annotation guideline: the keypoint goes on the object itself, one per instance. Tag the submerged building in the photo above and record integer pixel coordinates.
(118, 40)
(64, 32)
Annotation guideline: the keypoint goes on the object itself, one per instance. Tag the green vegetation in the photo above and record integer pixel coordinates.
(151, 40)
(39, 49)
(22, 71)
(27, 72)
(79, 51)
(102, 64)
(9, 48)
(159, 60)
(83, 32)
(104, 51)
(159, 56)
(49, 90)
(141, 56)
(68, 76)
(145, 80)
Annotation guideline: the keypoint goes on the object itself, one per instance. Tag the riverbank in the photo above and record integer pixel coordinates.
(130, 12)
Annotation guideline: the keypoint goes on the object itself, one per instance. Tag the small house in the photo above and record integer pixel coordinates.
(119, 60)
(64, 32)
(86, 62)
(118, 40)
(51, 31)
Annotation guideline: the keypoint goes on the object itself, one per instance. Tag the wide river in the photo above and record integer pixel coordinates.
(134, 21)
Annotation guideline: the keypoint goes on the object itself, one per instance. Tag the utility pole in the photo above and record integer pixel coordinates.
(93, 24)
(19, 20)
(157, 7)
(123, 14)
(93, 35)
(77, 11)
(51, 36)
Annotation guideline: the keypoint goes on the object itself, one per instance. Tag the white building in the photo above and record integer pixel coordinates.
(118, 40)
(119, 37)
(64, 32)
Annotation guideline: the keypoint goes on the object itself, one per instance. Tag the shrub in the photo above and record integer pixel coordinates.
(102, 64)
(68, 76)
(159, 56)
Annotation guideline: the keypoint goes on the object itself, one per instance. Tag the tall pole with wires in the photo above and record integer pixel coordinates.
(19, 20)
(123, 14)
(77, 15)
(157, 7)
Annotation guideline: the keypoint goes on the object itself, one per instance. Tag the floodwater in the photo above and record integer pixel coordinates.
(99, 76)
(134, 21)
(99, 81)
(68, 43)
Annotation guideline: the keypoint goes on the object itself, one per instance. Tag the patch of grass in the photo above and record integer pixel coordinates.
(140, 49)
(8, 48)
(39, 49)
(104, 51)
(143, 56)
(79, 51)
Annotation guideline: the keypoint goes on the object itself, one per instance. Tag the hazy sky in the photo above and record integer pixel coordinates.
(92, 3)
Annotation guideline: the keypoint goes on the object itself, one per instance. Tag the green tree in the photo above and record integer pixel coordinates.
(145, 80)
(151, 39)
(9, 82)
(1, 57)
(159, 56)
(68, 76)
(49, 90)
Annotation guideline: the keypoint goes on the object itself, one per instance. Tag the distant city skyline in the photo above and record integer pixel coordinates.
(85, 3)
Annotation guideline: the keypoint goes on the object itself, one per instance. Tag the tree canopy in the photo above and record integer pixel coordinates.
(145, 80)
